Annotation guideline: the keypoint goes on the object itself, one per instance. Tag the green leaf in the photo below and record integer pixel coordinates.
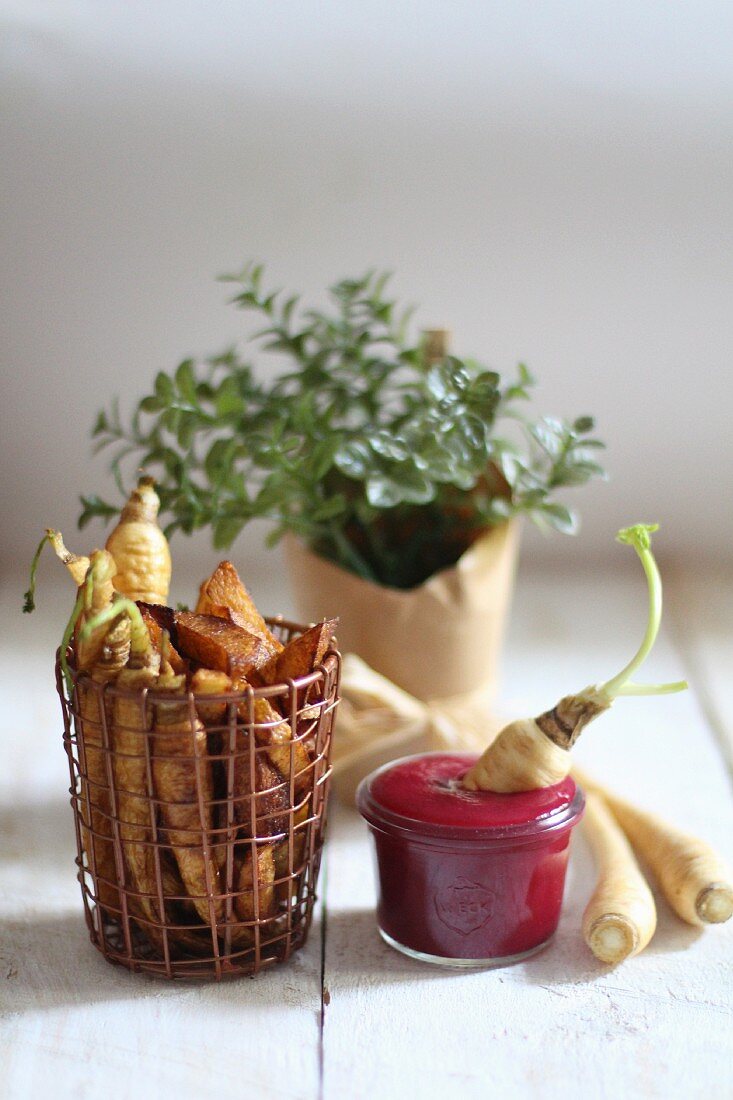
(217, 463)
(151, 404)
(186, 382)
(94, 508)
(329, 509)
(382, 492)
(354, 459)
(164, 388)
(226, 529)
(561, 518)
(322, 457)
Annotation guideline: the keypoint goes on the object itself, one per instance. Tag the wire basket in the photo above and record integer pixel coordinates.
(200, 822)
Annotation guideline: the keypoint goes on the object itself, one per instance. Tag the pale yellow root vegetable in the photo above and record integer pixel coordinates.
(94, 799)
(101, 653)
(75, 563)
(534, 752)
(140, 548)
(620, 918)
(97, 593)
(693, 878)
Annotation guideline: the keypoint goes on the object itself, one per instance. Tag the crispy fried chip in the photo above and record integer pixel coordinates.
(300, 656)
(158, 618)
(219, 644)
(224, 590)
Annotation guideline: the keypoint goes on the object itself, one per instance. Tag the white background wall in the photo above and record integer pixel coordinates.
(553, 181)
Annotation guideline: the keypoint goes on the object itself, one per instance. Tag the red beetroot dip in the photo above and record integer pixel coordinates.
(466, 877)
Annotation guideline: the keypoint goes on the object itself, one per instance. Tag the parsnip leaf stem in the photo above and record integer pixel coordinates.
(29, 596)
(639, 536)
(66, 638)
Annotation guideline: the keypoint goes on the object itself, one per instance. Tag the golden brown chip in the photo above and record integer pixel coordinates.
(300, 656)
(220, 645)
(207, 681)
(224, 590)
(157, 619)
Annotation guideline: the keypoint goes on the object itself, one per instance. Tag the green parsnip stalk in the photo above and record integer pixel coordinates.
(533, 752)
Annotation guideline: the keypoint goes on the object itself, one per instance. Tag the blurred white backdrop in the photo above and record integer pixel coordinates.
(552, 181)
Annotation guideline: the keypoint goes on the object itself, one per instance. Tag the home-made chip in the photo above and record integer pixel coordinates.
(300, 656)
(158, 618)
(220, 645)
(224, 589)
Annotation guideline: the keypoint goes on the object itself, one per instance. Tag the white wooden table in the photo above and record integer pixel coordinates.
(348, 1017)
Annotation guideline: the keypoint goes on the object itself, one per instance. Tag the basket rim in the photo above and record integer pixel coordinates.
(323, 672)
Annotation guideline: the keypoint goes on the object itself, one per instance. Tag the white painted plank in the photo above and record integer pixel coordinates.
(701, 607)
(657, 1026)
(72, 1025)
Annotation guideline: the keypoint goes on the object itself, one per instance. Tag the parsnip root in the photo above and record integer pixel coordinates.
(534, 752)
(140, 548)
(695, 881)
(620, 918)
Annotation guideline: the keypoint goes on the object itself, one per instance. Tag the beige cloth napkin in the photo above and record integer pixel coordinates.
(379, 722)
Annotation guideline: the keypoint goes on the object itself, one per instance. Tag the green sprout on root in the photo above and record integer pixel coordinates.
(639, 536)
(139, 637)
(29, 596)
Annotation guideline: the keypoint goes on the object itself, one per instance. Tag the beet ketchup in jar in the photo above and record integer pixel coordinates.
(466, 878)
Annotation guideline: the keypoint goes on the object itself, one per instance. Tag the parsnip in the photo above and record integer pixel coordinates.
(140, 548)
(693, 878)
(534, 752)
(620, 918)
(96, 831)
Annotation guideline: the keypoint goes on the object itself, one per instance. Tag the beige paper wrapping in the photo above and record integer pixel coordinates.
(420, 670)
(440, 639)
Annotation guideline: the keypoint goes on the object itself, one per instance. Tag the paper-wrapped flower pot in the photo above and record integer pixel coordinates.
(439, 642)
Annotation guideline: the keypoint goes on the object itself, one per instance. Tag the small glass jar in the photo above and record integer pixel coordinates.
(466, 878)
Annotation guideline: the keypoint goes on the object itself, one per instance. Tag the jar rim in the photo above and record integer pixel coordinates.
(395, 823)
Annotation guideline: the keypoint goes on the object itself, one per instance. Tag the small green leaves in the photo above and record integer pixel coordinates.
(93, 508)
(638, 535)
(379, 460)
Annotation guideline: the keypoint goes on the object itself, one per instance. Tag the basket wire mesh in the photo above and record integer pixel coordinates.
(199, 841)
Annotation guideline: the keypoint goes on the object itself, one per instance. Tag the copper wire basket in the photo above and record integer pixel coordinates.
(198, 851)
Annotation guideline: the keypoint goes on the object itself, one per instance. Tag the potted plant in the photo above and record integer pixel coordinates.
(394, 469)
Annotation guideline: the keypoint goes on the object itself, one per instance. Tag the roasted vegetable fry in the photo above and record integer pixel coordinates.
(140, 548)
(284, 889)
(184, 786)
(247, 905)
(273, 732)
(300, 656)
(224, 589)
(155, 618)
(130, 729)
(207, 681)
(220, 645)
